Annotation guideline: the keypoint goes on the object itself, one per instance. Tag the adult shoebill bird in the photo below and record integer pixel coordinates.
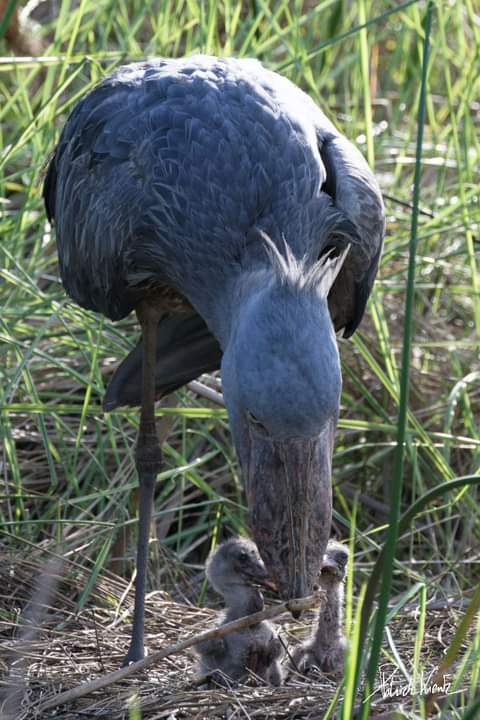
(214, 198)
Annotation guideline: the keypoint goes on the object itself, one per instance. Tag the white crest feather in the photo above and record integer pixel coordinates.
(303, 274)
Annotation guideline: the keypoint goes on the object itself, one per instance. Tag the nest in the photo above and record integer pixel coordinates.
(42, 656)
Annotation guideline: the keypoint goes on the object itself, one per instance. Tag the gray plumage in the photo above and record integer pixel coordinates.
(216, 199)
(163, 170)
(234, 570)
(326, 646)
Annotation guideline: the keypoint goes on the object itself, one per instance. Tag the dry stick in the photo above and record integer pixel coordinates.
(206, 392)
(294, 606)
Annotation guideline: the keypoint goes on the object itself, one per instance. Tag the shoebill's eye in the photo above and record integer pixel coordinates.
(255, 422)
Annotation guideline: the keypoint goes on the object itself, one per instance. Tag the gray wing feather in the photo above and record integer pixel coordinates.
(355, 192)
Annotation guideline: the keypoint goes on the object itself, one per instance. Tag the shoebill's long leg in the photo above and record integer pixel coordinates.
(149, 462)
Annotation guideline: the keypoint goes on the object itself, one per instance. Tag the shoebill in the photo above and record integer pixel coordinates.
(214, 198)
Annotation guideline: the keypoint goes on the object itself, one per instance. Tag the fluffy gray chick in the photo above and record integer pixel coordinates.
(325, 648)
(234, 570)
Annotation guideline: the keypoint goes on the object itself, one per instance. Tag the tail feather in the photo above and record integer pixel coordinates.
(185, 349)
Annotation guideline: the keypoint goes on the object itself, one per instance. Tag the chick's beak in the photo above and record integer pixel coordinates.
(330, 568)
(260, 576)
(269, 584)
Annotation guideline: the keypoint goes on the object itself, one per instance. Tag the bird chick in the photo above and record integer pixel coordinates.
(234, 570)
(326, 646)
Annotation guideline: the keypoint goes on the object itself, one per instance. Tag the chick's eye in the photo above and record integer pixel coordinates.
(243, 557)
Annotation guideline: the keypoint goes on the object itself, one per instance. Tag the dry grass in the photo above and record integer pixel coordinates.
(69, 648)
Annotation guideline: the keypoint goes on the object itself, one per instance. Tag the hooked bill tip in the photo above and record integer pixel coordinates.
(270, 585)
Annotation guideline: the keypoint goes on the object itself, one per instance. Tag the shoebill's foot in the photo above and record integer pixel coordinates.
(328, 659)
(276, 674)
(331, 660)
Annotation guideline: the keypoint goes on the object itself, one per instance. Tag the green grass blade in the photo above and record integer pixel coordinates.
(9, 10)
(396, 496)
